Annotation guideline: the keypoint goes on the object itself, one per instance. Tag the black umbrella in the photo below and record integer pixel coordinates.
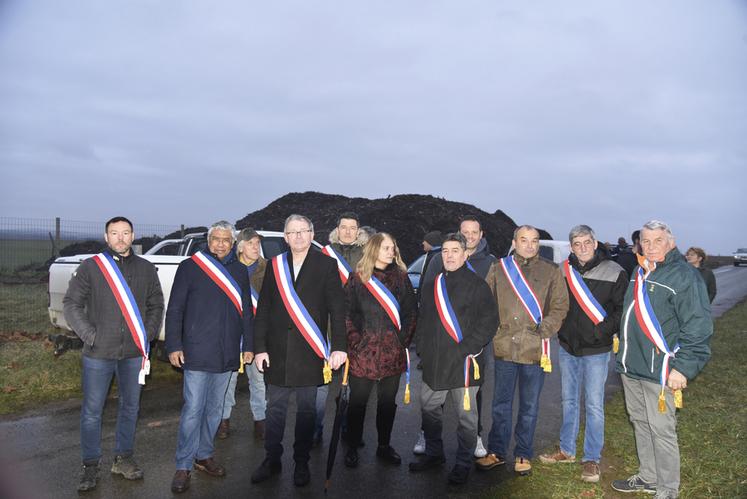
(342, 406)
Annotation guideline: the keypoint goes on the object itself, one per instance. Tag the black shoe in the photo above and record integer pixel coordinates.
(180, 482)
(387, 454)
(458, 475)
(351, 458)
(426, 463)
(89, 477)
(301, 475)
(266, 470)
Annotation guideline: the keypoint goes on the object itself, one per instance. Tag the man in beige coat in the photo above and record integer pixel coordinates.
(532, 302)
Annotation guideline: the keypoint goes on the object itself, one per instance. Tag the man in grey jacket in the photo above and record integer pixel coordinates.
(115, 342)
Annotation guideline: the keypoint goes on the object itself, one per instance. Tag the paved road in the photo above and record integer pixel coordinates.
(41, 449)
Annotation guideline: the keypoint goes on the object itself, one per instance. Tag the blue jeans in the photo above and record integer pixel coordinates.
(204, 394)
(96, 380)
(257, 400)
(530, 378)
(591, 371)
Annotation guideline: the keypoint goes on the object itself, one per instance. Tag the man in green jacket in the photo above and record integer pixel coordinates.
(666, 330)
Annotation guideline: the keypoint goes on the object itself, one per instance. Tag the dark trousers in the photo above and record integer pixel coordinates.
(386, 407)
(277, 409)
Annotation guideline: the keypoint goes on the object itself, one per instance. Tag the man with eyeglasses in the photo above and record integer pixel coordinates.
(208, 317)
(302, 299)
(665, 342)
(596, 287)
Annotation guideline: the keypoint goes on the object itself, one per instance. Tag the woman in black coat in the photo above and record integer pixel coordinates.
(377, 340)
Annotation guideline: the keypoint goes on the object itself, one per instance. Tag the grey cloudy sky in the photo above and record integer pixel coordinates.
(558, 113)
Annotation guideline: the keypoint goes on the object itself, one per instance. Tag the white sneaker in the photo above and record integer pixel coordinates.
(480, 450)
(419, 448)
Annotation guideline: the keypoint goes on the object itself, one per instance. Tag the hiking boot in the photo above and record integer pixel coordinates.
(351, 457)
(210, 467)
(426, 463)
(180, 482)
(480, 450)
(591, 472)
(89, 477)
(634, 484)
(387, 454)
(259, 429)
(301, 475)
(224, 429)
(523, 466)
(458, 475)
(266, 470)
(127, 467)
(419, 448)
(489, 462)
(557, 457)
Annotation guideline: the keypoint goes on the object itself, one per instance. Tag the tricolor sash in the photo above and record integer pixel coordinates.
(649, 324)
(469, 266)
(529, 301)
(298, 313)
(221, 277)
(128, 306)
(451, 325)
(386, 299)
(585, 299)
(343, 267)
(255, 299)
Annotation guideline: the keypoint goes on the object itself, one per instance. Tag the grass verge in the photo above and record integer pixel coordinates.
(31, 375)
(712, 431)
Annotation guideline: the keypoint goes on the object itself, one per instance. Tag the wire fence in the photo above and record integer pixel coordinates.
(29, 245)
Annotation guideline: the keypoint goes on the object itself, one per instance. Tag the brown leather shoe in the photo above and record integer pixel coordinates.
(259, 429)
(180, 482)
(210, 467)
(224, 429)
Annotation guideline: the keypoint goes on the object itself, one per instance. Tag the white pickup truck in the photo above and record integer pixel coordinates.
(166, 256)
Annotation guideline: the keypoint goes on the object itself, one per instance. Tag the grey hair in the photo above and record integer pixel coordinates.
(222, 225)
(522, 227)
(456, 237)
(297, 218)
(658, 225)
(581, 230)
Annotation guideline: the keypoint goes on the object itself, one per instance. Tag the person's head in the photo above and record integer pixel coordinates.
(583, 243)
(348, 224)
(119, 234)
(432, 240)
(221, 236)
(471, 229)
(526, 241)
(248, 245)
(380, 251)
(299, 232)
(695, 256)
(454, 251)
(622, 242)
(656, 240)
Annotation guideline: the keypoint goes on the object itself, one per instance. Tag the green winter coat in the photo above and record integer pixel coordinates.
(680, 301)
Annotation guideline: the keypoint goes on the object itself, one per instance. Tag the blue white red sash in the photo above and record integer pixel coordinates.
(255, 299)
(343, 267)
(529, 300)
(649, 324)
(445, 312)
(128, 306)
(451, 325)
(583, 296)
(469, 266)
(220, 276)
(296, 309)
(386, 299)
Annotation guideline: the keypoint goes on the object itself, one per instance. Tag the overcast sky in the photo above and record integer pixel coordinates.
(557, 113)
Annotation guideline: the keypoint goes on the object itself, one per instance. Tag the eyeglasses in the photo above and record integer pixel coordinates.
(297, 233)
